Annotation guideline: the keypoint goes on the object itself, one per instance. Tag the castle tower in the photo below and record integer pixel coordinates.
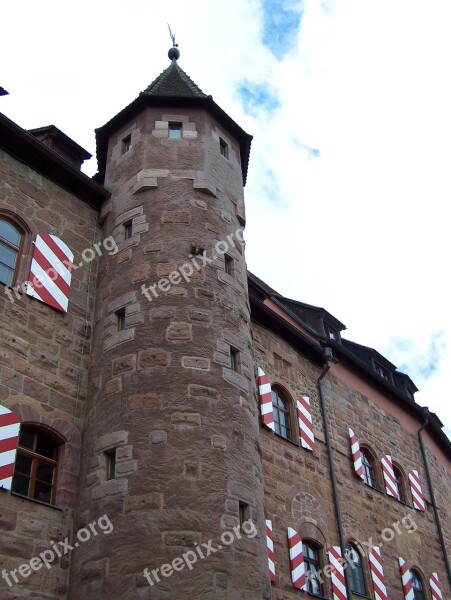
(170, 451)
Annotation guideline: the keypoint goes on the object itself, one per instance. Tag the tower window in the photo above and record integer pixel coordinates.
(229, 267)
(234, 359)
(126, 143)
(110, 464)
(36, 465)
(223, 148)
(128, 229)
(10, 239)
(245, 513)
(175, 131)
(120, 316)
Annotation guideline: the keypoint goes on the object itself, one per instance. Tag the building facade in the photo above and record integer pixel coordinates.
(170, 426)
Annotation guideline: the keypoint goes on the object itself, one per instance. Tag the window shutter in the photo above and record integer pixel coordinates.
(297, 564)
(415, 488)
(406, 578)
(270, 546)
(264, 391)
(356, 454)
(377, 574)
(305, 423)
(50, 272)
(337, 573)
(9, 438)
(434, 584)
(389, 477)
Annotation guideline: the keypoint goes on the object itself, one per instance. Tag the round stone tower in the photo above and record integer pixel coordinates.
(171, 466)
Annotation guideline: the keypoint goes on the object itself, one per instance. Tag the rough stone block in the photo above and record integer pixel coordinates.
(151, 501)
(188, 419)
(111, 440)
(159, 436)
(124, 364)
(179, 331)
(113, 386)
(179, 217)
(150, 400)
(202, 390)
(153, 357)
(196, 362)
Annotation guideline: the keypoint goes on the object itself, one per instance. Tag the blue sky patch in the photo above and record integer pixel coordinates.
(281, 22)
(257, 97)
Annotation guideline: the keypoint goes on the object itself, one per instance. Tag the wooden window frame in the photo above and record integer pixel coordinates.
(277, 410)
(23, 258)
(224, 148)
(359, 566)
(317, 563)
(126, 144)
(36, 460)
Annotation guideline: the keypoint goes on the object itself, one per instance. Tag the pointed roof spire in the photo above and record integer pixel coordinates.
(173, 82)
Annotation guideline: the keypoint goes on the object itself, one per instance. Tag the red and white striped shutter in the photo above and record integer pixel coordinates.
(406, 578)
(337, 573)
(434, 584)
(377, 574)
(389, 477)
(417, 493)
(270, 546)
(297, 564)
(305, 423)
(9, 438)
(356, 454)
(265, 394)
(50, 272)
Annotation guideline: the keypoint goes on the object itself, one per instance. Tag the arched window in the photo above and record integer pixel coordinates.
(369, 475)
(312, 568)
(36, 465)
(354, 570)
(10, 244)
(281, 410)
(399, 479)
(417, 584)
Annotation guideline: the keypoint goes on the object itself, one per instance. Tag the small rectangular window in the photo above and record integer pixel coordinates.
(245, 514)
(234, 359)
(229, 266)
(128, 230)
(223, 148)
(110, 464)
(126, 143)
(175, 131)
(120, 315)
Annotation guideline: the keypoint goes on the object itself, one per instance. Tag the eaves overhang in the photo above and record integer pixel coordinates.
(27, 149)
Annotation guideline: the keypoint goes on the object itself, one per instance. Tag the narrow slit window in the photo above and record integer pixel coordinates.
(110, 464)
(120, 316)
(126, 143)
(175, 131)
(223, 148)
(229, 266)
(128, 229)
(245, 514)
(234, 359)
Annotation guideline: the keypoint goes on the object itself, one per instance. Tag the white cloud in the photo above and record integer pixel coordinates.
(359, 229)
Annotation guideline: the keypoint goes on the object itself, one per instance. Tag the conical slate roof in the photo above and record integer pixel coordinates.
(173, 82)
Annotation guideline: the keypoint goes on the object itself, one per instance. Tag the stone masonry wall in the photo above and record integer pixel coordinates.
(163, 394)
(297, 483)
(44, 357)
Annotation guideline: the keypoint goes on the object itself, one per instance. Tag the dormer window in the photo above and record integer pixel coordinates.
(383, 372)
(331, 332)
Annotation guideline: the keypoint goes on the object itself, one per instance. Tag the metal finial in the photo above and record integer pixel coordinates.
(174, 52)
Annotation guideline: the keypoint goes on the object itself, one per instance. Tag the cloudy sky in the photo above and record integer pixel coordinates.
(349, 104)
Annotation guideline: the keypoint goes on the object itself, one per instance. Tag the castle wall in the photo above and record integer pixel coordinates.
(44, 357)
(297, 483)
